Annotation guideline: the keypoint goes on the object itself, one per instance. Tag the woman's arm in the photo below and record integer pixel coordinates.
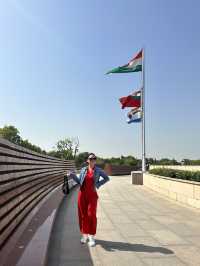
(104, 180)
(74, 177)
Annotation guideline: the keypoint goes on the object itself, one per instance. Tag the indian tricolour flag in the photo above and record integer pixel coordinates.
(134, 65)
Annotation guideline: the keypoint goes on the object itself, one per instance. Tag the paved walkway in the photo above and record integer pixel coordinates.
(135, 227)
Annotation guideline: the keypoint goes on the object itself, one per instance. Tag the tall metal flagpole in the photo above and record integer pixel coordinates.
(143, 112)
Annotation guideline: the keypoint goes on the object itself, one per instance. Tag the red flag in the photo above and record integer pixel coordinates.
(130, 101)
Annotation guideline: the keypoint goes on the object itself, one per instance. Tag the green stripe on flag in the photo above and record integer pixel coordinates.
(125, 69)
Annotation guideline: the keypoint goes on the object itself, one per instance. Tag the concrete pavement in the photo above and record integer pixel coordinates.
(135, 226)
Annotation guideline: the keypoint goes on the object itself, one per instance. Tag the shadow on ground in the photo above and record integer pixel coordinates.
(114, 246)
(64, 246)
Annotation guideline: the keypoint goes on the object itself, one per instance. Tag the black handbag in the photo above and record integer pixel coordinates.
(65, 186)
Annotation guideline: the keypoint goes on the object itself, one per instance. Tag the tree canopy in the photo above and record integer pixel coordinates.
(68, 149)
(12, 134)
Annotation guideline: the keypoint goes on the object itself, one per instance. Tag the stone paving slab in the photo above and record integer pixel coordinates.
(136, 226)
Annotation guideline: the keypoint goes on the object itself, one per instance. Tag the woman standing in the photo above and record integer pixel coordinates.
(88, 197)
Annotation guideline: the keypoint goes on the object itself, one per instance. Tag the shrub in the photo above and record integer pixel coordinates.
(179, 174)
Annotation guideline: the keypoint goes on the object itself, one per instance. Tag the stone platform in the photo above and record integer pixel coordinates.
(135, 227)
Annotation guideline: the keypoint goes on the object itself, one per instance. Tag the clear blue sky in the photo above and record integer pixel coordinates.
(53, 56)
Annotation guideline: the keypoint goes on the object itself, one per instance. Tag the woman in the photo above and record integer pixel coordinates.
(88, 197)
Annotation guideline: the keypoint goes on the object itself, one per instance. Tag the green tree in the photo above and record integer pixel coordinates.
(81, 158)
(151, 161)
(10, 133)
(66, 149)
(195, 162)
(190, 162)
(53, 153)
(26, 144)
(130, 160)
(123, 160)
(166, 161)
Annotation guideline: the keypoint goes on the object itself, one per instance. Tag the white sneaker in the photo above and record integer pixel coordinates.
(91, 242)
(84, 238)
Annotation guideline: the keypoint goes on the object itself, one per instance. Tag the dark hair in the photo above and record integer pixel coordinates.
(89, 156)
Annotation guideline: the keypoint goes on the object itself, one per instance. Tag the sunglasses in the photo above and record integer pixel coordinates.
(92, 158)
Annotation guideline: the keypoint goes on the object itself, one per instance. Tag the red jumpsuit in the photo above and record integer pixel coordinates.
(87, 205)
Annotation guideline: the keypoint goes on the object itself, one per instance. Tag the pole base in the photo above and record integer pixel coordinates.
(137, 178)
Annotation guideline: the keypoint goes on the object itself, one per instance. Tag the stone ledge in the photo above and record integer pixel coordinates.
(183, 191)
(29, 243)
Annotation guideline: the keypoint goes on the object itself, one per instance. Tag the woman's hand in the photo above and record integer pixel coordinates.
(68, 172)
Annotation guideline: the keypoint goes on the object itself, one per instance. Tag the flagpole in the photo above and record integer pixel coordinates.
(143, 112)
